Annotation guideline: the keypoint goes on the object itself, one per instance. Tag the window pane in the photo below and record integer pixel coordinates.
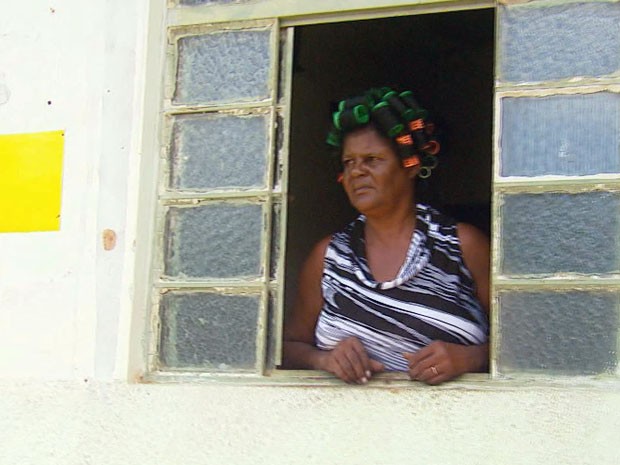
(545, 43)
(228, 66)
(215, 241)
(211, 151)
(558, 332)
(209, 331)
(564, 135)
(554, 233)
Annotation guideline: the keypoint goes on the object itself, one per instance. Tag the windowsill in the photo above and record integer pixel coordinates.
(310, 378)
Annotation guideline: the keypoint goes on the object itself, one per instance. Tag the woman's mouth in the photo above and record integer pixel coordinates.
(360, 189)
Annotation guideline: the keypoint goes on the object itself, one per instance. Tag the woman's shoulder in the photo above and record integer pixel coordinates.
(315, 258)
(475, 249)
(435, 221)
(347, 235)
(472, 239)
(313, 265)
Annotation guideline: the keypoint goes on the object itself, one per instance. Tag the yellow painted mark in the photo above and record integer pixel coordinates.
(31, 181)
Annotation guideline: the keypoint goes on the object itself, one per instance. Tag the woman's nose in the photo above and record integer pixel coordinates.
(357, 168)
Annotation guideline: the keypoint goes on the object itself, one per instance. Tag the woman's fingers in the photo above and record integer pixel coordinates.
(346, 369)
(424, 370)
(376, 367)
(420, 363)
(434, 363)
(352, 363)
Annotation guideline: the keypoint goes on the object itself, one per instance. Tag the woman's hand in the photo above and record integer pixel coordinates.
(350, 362)
(442, 361)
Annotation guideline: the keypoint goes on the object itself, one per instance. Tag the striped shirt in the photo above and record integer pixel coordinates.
(432, 297)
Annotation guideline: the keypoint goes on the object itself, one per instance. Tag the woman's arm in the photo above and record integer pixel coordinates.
(476, 255)
(299, 350)
(348, 360)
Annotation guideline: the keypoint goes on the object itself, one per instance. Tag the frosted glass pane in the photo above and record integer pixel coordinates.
(558, 332)
(211, 151)
(209, 331)
(554, 233)
(217, 241)
(228, 66)
(546, 43)
(563, 135)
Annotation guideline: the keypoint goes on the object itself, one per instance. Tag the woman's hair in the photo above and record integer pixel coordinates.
(396, 116)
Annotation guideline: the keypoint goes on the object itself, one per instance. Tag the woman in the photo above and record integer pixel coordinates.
(402, 288)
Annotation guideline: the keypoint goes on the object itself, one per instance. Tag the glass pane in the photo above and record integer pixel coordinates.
(209, 331)
(211, 151)
(555, 233)
(558, 332)
(555, 42)
(564, 135)
(226, 66)
(215, 241)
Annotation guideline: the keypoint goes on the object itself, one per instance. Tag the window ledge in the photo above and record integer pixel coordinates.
(310, 378)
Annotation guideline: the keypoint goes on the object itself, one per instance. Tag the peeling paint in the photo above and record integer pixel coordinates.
(109, 239)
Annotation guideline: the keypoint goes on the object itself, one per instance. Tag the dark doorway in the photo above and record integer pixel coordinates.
(446, 59)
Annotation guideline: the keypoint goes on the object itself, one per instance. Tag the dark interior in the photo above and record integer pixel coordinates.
(446, 59)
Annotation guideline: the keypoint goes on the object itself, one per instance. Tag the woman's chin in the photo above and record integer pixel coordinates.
(366, 208)
(362, 205)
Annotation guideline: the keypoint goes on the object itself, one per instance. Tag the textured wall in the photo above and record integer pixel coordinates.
(65, 299)
(171, 424)
(49, 62)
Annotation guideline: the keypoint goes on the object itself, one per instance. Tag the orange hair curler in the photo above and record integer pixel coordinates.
(411, 161)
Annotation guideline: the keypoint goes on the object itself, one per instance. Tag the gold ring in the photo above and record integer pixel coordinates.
(434, 370)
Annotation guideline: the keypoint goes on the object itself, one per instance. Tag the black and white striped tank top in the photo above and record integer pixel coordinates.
(432, 297)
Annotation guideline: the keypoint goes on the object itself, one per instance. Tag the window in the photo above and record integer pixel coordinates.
(241, 129)
(556, 190)
(220, 200)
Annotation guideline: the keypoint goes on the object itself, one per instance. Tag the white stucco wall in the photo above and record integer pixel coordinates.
(104, 423)
(66, 306)
(72, 65)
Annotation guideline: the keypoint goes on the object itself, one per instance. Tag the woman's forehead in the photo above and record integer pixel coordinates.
(365, 140)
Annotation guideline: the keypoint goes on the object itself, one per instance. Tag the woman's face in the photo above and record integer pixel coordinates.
(374, 178)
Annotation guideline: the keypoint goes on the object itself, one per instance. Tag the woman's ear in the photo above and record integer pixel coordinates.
(414, 171)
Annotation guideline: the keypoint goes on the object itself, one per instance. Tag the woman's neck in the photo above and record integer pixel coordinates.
(391, 229)
(387, 240)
